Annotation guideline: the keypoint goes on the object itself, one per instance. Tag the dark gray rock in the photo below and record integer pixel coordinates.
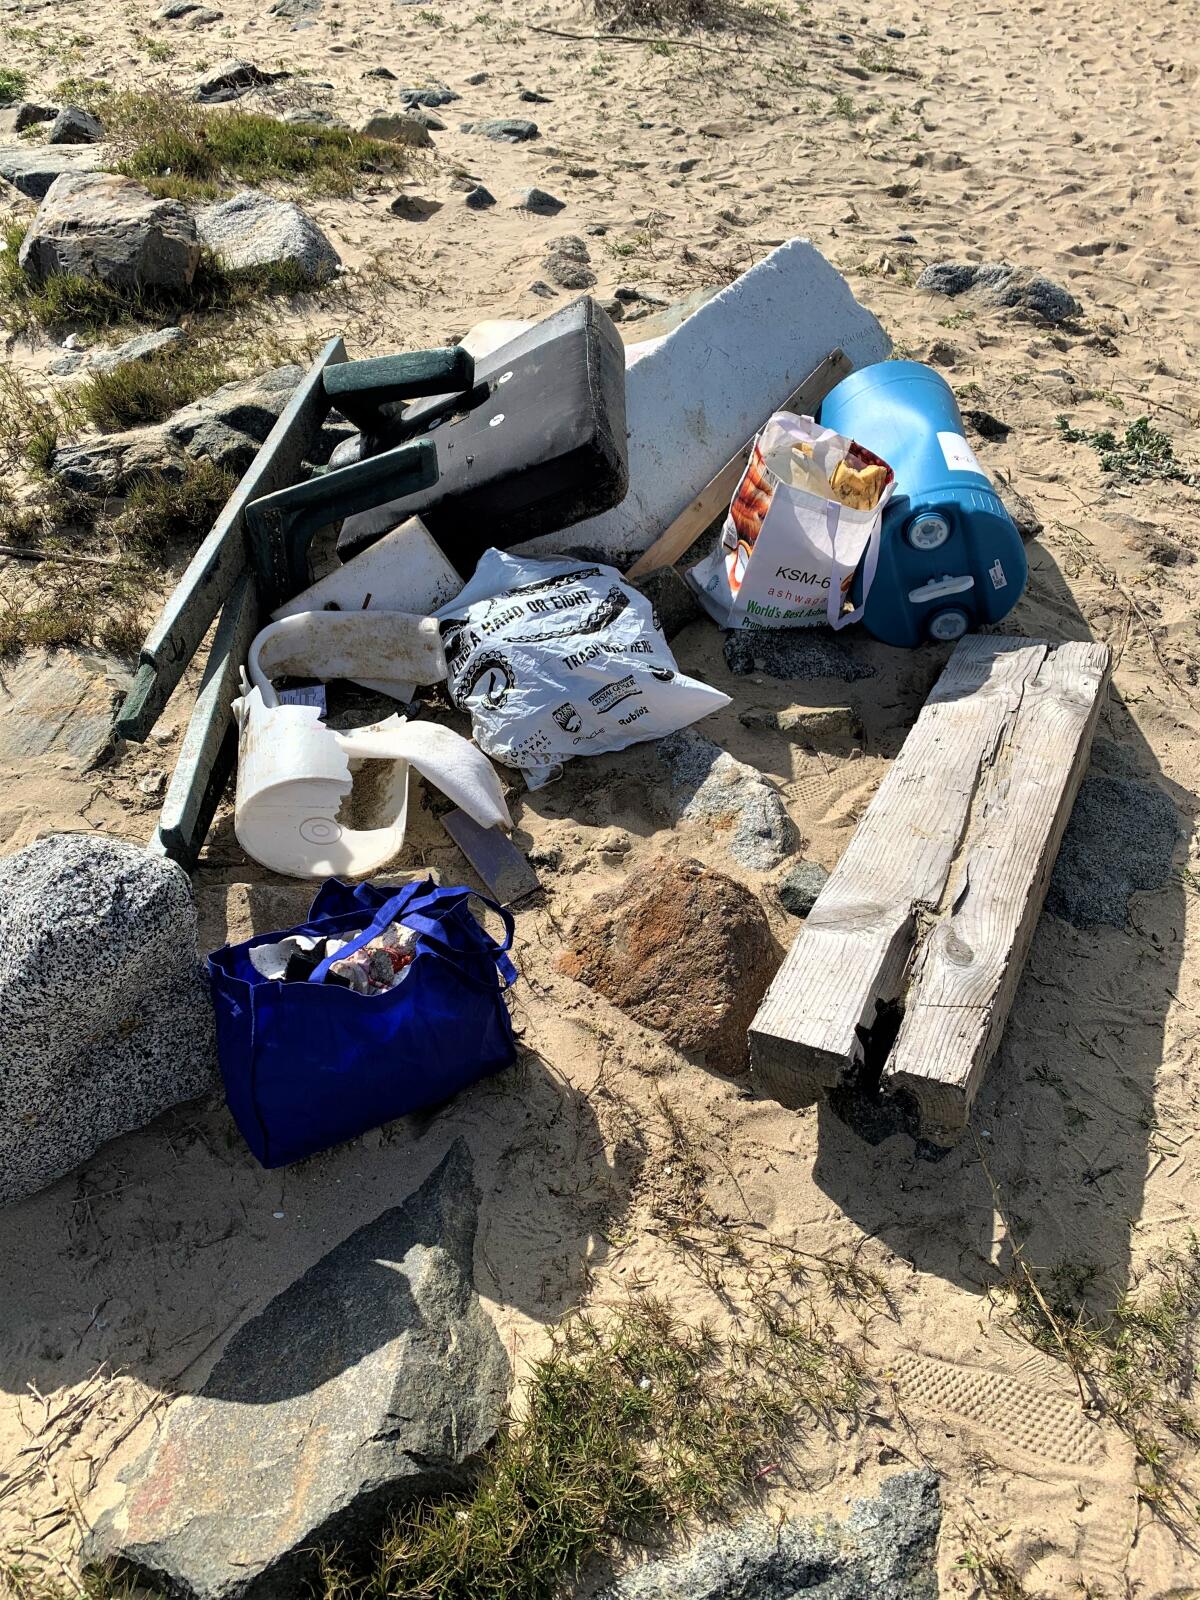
(999, 283)
(1121, 838)
(414, 207)
(74, 125)
(478, 198)
(1020, 509)
(111, 463)
(568, 263)
(543, 290)
(477, 78)
(885, 1550)
(315, 115)
(397, 127)
(793, 653)
(108, 227)
(798, 889)
(531, 97)
(379, 72)
(673, 598)
(227, 427)
(105, 1019)
(536, 200)
(59, 703)
(29, 114)
(708, 786)
(176, 10)
(231, 80)
(437, 94)
(508, 130)
(257, 230)
(33, 168)
(143, 347)
(294, 10)
(374, 1379)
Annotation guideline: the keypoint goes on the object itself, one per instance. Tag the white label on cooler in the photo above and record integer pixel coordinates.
(999, 581)
(958, 453)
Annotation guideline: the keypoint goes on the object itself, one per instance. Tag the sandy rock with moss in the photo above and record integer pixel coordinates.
(102, 226)
(253, 231)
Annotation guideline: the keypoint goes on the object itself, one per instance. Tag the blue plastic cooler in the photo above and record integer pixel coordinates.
(950, 556)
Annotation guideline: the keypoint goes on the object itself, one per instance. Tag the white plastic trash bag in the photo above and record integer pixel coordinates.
(807, 511)
(561, 658)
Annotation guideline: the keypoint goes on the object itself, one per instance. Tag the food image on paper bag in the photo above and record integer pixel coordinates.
(560, 658)
(820, 498)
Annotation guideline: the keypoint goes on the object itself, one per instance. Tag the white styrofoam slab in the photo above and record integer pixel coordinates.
(697, 396)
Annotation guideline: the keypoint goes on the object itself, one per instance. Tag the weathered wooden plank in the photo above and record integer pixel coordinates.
(209, 746)
(853, 950)
(716, 495)
(969, 963)
(220, 561)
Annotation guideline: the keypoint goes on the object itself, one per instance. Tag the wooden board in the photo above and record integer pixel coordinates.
(966, 972)
(714, 499)
(931, 829)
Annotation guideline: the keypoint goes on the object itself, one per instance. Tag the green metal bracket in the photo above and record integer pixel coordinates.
(360, 388)
(214, 570)
(209, 748)
(280, 527)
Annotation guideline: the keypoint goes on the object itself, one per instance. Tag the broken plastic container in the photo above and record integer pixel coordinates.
(295, 780)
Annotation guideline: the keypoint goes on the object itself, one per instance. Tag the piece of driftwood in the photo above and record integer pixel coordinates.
(715, 497)
(934, 902)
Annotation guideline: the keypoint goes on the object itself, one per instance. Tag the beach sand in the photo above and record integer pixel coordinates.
(1057, 138)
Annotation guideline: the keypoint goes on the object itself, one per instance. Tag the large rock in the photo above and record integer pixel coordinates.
(232, 79)
(397, 127)
(794, 653)
(142, 347)
(726, 797)
(59, 704)
(885, 1550)
(683, 950)
(30, 113)
(107, 227)
(505, 130)
(568, 263)
(1121, 839)
(33, 168)
(225, 427)
(254, 230)
(112, 462)
(999, 283)
(105, 1019)
(373, 1379)
(74, 125)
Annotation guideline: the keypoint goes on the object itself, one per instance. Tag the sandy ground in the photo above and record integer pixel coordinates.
(1061, 138)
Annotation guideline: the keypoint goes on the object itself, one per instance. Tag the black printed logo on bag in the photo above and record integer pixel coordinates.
(613, 694)
(491, 675)
(568, 718)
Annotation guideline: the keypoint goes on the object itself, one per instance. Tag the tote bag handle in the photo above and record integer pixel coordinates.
(429, 928)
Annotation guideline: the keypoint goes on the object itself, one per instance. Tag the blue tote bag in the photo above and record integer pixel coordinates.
(309, 1064)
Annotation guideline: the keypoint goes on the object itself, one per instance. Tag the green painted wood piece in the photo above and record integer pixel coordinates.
(214, 570)
(280, 527)
(209, 748)
(359, 388)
